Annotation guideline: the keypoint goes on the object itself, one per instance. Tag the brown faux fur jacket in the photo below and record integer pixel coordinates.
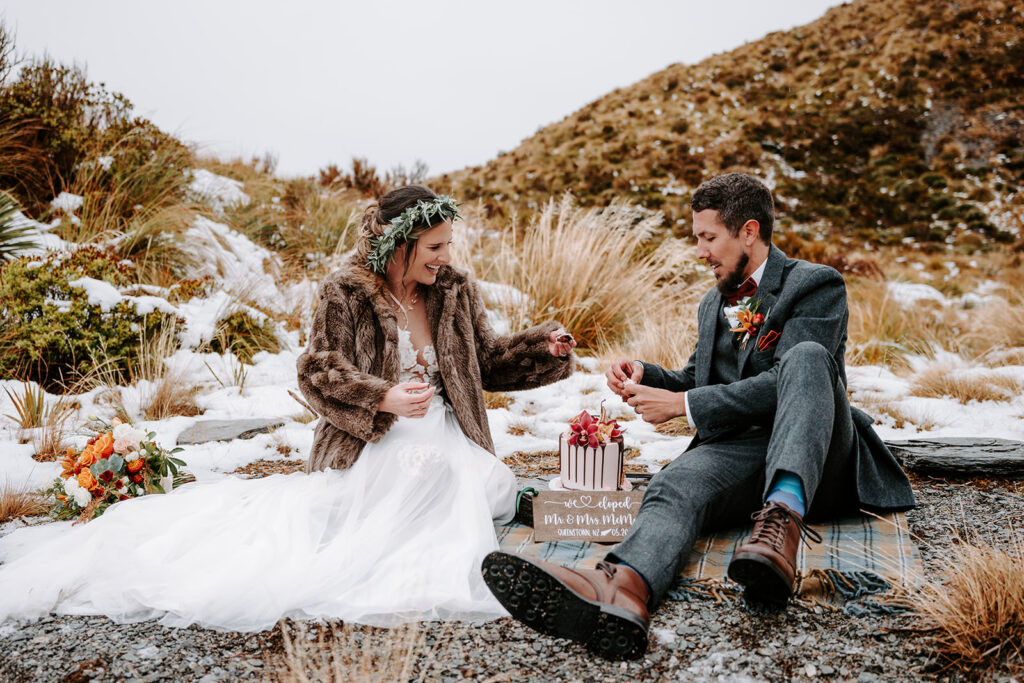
(353, 359)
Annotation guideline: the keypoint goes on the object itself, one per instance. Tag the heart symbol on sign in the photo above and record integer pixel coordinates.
(585, 500)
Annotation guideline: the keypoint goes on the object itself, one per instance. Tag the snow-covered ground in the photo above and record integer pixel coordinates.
(536, 416)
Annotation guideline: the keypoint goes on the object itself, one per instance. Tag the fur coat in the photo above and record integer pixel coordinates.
(353, 359)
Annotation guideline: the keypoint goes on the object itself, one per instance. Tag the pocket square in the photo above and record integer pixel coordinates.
(767, 340)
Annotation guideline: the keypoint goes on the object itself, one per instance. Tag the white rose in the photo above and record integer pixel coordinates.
(70, 486)
(82, 497)
(132, 435)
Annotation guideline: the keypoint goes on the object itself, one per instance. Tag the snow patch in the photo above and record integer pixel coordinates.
(218, 191)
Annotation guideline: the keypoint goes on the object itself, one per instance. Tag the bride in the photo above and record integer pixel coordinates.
(396, 511)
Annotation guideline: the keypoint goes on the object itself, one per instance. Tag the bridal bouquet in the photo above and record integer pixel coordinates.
(119, 463)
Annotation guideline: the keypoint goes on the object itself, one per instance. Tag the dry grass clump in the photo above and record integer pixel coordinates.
(988, 386)
(519, 428)
(921, 419)
(675, 427)
(169, 392)
(19, 502)
(499, 399)
(884, 332)
(976, 612)
(350, 653)
(592, 269)
(307, 225)
(48, 418)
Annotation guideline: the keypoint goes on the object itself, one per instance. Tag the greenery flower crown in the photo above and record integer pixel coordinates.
(400, 230)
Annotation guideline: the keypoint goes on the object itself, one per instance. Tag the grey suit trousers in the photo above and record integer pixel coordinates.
(719, 483)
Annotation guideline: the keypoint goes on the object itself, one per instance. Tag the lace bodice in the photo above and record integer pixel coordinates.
(410, 368)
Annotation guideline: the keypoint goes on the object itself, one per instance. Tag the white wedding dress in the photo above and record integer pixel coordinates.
(397, 537)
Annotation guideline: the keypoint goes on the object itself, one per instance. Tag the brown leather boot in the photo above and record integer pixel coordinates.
(766, 564)
(604, 608)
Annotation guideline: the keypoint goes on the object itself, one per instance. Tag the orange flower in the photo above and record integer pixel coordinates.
(105, 444)
(137, 478)
(136, 465)
(88, 457)
(69, 463)
(747, 322)
(86, 480)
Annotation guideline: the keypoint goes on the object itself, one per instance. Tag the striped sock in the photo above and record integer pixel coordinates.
(787, 488)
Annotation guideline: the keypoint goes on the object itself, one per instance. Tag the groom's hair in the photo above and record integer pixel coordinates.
(738, 198)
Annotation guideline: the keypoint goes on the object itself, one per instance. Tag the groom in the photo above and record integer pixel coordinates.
(776, 439)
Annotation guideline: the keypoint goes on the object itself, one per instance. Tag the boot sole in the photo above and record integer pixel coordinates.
(545, 604)
(761, 581)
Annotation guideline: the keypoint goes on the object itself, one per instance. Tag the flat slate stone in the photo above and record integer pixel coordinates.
(205, 431)
(961, 456)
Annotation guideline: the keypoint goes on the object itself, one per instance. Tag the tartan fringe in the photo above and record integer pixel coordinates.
(851, 592)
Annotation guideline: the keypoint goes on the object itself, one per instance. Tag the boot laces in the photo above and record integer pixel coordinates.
(608, 568)
(771, 523)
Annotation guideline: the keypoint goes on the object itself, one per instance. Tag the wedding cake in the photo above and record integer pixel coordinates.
(590, 454)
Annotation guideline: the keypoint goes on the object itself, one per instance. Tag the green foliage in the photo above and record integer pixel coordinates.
(13, 237)
(243, 335)
(65, 122)
(53, 334)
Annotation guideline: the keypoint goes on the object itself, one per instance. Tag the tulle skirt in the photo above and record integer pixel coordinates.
(397, 537)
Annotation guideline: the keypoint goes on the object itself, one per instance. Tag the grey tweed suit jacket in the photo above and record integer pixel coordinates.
(801, 301)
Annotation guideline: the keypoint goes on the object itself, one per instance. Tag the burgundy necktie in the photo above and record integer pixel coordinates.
(746, 289)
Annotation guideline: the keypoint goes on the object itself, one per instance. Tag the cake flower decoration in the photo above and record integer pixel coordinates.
(585, 430)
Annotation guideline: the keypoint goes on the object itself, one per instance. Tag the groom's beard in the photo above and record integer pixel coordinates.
(730, 282)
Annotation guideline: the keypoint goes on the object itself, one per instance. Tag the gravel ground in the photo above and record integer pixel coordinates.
(702, 640)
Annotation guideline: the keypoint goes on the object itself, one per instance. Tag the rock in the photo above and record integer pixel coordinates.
(205, 431)
(961, 456)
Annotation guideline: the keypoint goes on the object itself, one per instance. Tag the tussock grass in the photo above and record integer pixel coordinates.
(941, 382)
(976, 610)
(48, 418)
(29, 405)
(309, 226)
(169, 392)
(19, 502)
(920, 419)
(141, 179)
(350, 653)
(592, 270)
(51, 440)
(883, 332)
(664, 331)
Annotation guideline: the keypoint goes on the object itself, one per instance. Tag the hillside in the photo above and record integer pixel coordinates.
(882, 121)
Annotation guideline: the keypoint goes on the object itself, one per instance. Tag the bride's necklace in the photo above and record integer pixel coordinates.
(401, 307)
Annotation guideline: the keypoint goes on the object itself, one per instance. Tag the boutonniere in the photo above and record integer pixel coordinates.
(745, 320)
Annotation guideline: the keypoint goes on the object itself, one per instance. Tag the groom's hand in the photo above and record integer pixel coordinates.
(621, 370)
(655, 405)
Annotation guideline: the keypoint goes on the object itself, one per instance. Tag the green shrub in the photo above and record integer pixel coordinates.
(243, 335)
(53, 335)
(62, 120)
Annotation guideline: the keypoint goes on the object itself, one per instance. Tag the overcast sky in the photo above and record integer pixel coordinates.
(448, 82)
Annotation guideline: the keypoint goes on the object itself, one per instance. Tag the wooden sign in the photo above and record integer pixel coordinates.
(597, 516)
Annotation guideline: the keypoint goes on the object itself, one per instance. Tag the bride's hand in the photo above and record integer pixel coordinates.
(407, 399)
(560, 343)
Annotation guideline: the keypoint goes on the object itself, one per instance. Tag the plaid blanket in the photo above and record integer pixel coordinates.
(860, 556)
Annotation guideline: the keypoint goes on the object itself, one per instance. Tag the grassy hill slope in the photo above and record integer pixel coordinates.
(882, 121)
